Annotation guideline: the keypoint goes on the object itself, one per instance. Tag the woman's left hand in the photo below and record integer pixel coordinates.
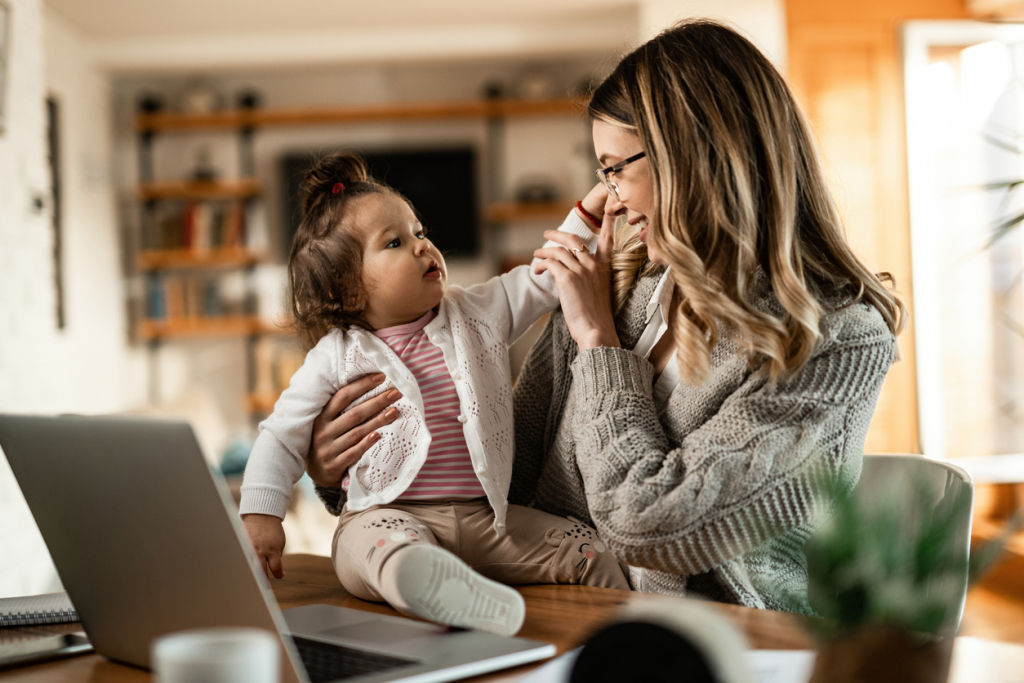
(584, 284)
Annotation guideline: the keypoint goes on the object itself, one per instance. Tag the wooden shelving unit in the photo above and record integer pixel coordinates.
(242, 188)
(174, 259)
(511, 211)
(183, 328)
(412, 111)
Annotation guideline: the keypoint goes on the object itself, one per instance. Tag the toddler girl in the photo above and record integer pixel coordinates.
(427, 513)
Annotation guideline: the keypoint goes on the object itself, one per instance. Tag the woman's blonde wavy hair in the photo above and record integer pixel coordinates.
(738, 187)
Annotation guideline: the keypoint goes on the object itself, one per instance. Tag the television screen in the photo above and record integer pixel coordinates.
(440, 183)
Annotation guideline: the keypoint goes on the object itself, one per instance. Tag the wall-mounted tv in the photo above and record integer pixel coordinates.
(440, 183)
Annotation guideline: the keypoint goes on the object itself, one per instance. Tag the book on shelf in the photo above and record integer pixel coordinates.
(36, 610)
(201, 224)
(187, 296)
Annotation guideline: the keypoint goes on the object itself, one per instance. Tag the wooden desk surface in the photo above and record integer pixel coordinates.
(563, 615)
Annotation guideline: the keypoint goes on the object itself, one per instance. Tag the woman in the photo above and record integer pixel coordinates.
(691, 411)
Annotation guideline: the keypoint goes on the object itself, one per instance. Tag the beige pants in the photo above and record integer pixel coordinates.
(537, 547)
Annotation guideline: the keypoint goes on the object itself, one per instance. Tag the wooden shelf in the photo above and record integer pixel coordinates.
(241, 188)
(200, 327)
(511, 211)
(282, 327)
(262, 402)
(172, 259)
(479, 109)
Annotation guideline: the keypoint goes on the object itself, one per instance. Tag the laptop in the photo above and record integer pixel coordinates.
(147, 541)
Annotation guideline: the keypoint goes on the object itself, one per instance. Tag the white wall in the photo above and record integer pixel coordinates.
(762, 21)
(28, 332)
(86, 367)
(102, 373)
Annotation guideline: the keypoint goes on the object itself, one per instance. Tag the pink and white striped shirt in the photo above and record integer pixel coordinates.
(448, 471)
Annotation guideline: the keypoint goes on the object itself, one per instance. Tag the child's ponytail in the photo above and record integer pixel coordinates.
(325, 265)
(332, 180)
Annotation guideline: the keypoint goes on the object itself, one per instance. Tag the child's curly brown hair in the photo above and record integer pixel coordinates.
(325, 265)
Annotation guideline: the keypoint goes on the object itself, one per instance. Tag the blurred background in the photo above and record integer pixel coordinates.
(150, 153)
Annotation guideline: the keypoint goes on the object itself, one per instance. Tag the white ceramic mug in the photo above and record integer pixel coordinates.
(217, 655)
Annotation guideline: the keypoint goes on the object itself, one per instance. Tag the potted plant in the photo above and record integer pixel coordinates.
(889, 574)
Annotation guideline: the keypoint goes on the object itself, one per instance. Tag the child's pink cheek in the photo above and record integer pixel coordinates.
(380, 543)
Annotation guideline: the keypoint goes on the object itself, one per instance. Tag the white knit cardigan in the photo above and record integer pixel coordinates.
(473, 328)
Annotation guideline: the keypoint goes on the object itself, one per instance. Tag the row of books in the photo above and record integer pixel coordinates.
(208, 224)
(191, 296)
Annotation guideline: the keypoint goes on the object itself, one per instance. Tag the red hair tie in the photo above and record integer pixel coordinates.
(338, 187)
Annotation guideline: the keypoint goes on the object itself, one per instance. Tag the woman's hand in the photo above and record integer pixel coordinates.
(267, 535)
(584, 283)
(340, 438)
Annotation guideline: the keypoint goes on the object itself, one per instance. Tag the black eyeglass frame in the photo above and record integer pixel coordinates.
(602, 173)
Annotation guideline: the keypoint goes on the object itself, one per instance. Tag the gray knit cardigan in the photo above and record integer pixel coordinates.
(716, 495)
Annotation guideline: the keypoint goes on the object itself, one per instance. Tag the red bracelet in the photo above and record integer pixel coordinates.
(590, 217)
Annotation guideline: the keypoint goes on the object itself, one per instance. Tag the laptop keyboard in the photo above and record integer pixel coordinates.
(325, 662)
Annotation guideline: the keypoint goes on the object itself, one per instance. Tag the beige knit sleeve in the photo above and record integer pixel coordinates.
(742, 474)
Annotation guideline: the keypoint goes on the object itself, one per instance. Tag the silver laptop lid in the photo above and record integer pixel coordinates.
(95, 487)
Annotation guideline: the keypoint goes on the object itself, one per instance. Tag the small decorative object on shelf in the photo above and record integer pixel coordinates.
(536, 190)
(201, 97)
(204, 171)
(151, 104)
(248, 99)
(536, 84)
(493, 90)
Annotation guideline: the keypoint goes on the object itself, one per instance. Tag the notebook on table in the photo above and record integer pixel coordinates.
(147, 541)
(33, 610)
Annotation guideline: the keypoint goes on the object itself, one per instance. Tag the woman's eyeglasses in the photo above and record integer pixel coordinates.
(605, 173)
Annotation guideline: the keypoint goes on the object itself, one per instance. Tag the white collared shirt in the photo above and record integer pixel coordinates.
(657, 325)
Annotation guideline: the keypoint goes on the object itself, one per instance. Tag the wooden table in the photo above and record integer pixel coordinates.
(563, 615)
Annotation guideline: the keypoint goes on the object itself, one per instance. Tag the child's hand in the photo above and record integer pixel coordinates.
(595, 203)
(267, 535)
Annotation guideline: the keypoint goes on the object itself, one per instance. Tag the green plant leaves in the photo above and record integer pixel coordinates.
(895, 560)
